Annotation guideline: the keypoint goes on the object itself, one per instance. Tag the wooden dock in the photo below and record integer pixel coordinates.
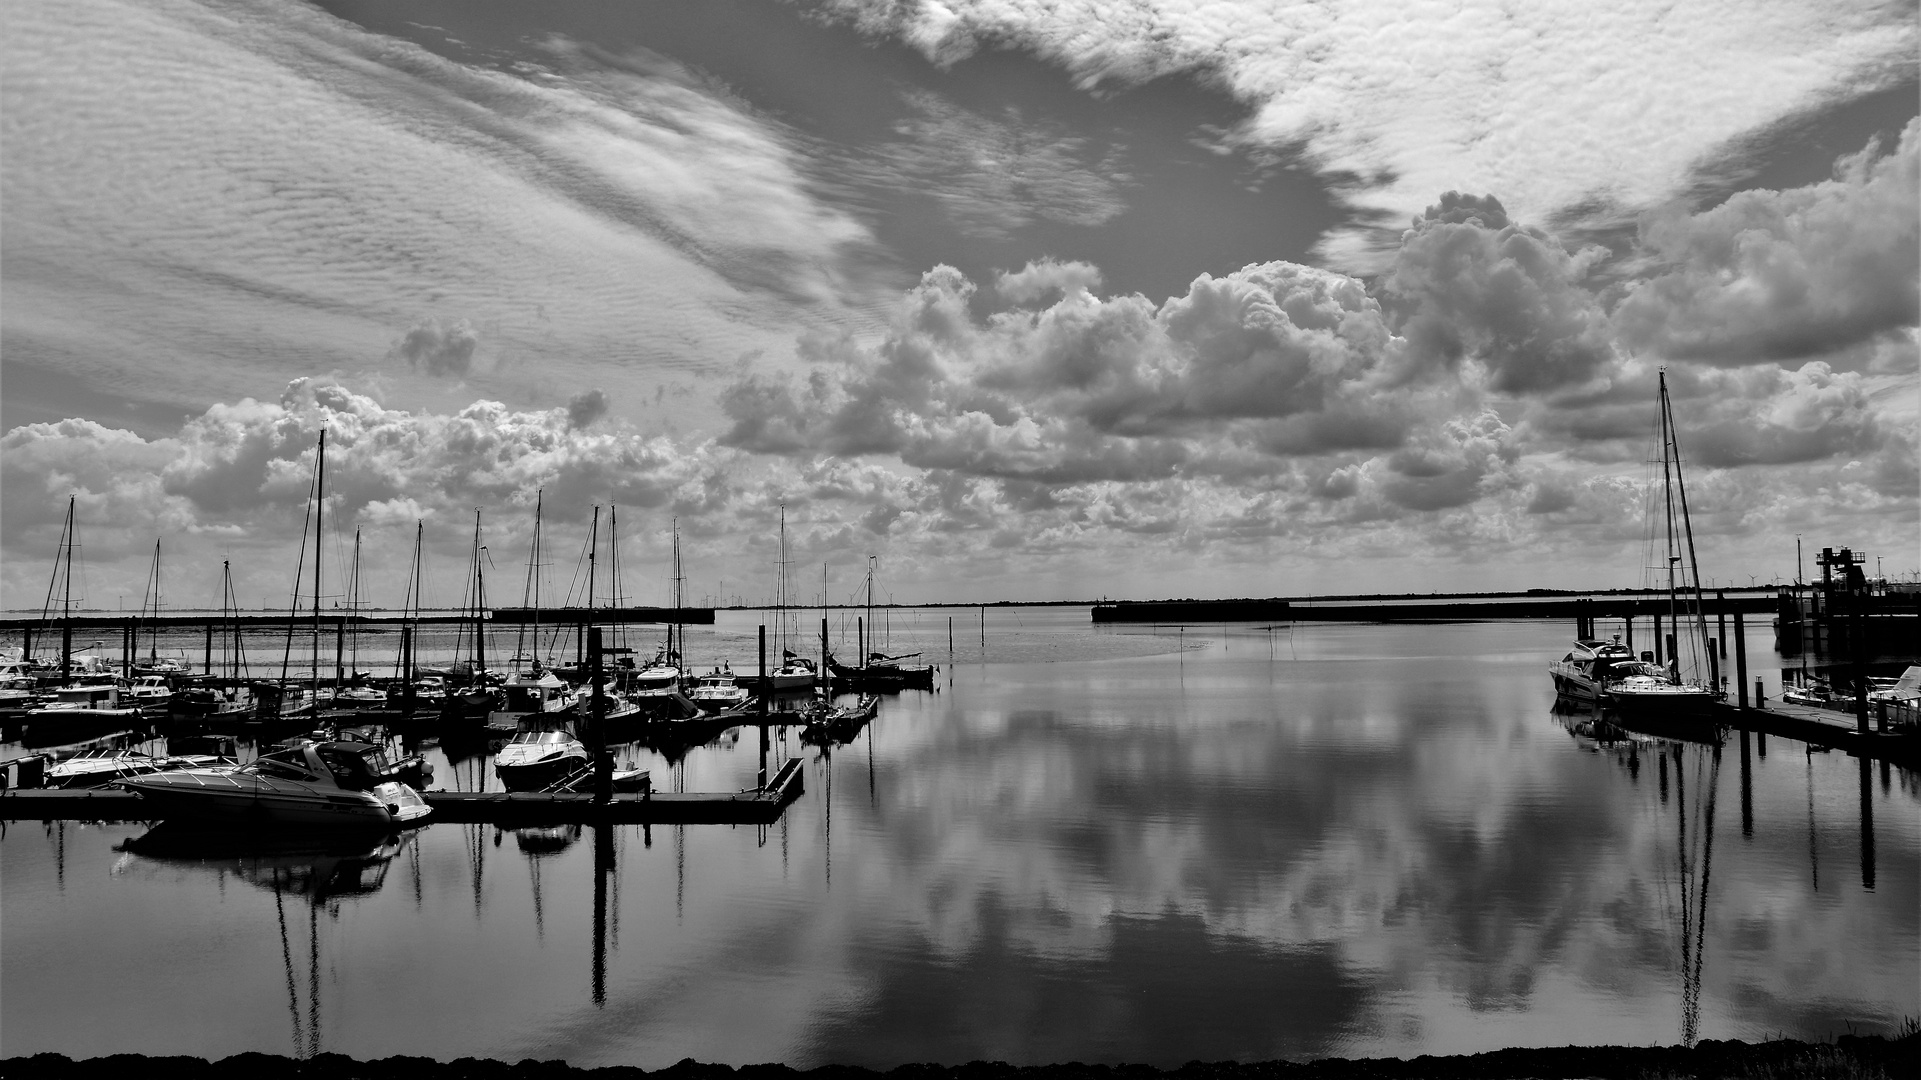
(753, 806)
(1828, 728)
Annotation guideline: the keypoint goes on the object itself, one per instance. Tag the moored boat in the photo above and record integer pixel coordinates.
(307, 784)
(537, 757)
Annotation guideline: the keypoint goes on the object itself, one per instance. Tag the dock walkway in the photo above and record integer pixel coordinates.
(753, 806)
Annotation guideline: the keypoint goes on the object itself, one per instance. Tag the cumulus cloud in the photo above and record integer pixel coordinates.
(1778, 275)
(437, 349)
(1090, 387)
(1469, 283)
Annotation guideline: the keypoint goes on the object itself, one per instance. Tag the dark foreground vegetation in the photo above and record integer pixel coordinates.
(1848, 1057)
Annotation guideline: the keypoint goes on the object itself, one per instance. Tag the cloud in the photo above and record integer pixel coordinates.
(439, 350)
(995, 175)
(1394, 103)
(1780, 275)
(586, 407)
(573, 201)
(1468, 283)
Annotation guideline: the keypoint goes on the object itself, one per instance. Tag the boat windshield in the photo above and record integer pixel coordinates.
(540, 738)
(282, 765)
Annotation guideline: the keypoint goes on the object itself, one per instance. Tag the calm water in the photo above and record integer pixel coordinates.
(1141, 846)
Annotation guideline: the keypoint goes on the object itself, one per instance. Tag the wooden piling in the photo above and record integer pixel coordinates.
(207, 664)
(1740, 658)
(1721, 614)
(597, 723)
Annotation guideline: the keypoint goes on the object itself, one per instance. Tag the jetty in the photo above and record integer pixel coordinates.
(752, 806)
(1430, 607)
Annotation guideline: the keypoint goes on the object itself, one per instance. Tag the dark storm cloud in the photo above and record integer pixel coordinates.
(439, 350)
(586, 407)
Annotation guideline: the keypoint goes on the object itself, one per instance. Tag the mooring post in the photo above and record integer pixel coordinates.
(860, 641)
(950, 641)
(1714, 666)
(1858, 623)
(340, 653)
(26, 643)
(1721, 614)
(126, 650)
(826, 676)
(1659, 658)
(1627, 630)
(1740, 658)
(208, 664)
(407, 670)
(597, 723)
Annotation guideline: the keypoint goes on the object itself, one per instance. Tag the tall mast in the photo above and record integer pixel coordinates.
(319, 508)
(153, 634)
(1687, 523)
(66, 604)
(480, 602)
(593, 551)
(353, 606)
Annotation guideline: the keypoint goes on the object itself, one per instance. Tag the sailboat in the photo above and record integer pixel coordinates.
(658, 687)
(1679, 687)
(531, 693)
(168, 667)
(795, 672)
(469, 694)
(881, 671)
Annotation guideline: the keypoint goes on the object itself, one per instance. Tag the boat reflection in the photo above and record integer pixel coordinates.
(324, 868)
(309, 864)
(1689, 782)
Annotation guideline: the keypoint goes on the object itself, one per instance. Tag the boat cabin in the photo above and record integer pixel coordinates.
(354, 766)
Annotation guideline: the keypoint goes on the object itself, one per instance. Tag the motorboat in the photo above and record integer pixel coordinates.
(151, 694)
(1587, 668)
(530, 693)
(1813, 692)
(307, 784)
(99, 767)
(719, 691)
(86, 702)
(537, 757)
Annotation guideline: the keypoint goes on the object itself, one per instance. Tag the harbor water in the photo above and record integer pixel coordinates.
(1114, 844)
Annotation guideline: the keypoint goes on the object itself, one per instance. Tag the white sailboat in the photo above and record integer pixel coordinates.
(1682, 684)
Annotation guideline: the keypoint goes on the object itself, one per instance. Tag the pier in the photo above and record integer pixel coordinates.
(753, 806)
(1432, 607)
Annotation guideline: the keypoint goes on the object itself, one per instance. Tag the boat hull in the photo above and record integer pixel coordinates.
(218, 796)
(534, 775)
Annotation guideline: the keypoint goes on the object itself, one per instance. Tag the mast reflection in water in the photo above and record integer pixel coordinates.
(1361, 840)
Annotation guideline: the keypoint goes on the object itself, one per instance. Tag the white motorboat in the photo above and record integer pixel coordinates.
(1588, 667)
(531, 694)
(98, 767)
(86, 702)
(718, 691)
(308, 784)
(151, 694)
(536, 758)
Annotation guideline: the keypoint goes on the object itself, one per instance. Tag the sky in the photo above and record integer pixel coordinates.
(1024, 300)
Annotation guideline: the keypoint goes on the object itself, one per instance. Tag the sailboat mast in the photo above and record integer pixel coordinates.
(66, 604)
(1667, 495)
(319, 508)
(480, 603)
(1687, 522)
(153, 634)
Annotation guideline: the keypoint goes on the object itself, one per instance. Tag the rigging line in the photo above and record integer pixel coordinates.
(1687, 525)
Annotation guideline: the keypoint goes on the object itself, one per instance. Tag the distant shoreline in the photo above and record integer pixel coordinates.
(1859, 1057)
